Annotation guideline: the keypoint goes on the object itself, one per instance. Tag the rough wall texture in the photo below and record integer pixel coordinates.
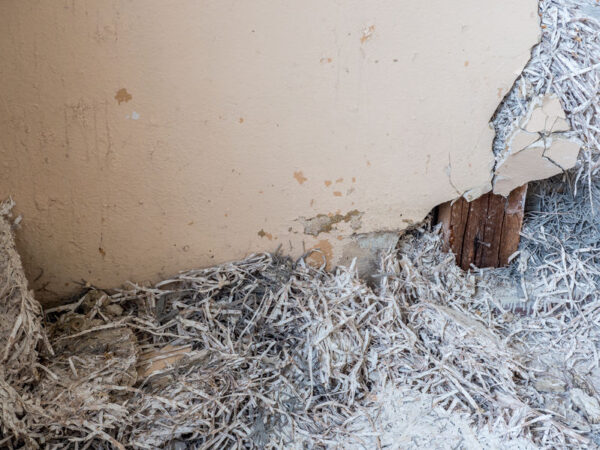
(143, 137)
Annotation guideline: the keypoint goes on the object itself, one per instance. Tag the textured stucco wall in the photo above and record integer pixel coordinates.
(146, 136)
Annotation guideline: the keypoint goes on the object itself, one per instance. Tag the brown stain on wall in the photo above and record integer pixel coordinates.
(123, 96)
(315, 259)
(299, 176)
(262, 233)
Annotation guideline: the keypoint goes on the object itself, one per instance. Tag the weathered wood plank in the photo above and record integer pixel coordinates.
(492, 232)
(513, 222)
(484, 232)
(473, 237)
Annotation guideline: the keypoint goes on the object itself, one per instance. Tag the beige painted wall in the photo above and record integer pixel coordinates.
(143, 137)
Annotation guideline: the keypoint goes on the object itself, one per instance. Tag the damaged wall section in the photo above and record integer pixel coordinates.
(141, 139)
(541, 146)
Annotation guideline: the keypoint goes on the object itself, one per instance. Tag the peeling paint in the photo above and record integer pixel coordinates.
(323, 223)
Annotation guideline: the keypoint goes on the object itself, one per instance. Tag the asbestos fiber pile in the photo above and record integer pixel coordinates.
(268, 352)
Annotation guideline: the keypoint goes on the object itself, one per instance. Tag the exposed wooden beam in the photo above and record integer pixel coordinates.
(484, 232)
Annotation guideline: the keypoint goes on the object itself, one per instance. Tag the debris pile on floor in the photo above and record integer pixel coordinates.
(268, 352)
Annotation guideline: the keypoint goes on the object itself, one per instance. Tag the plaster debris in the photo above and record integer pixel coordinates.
(545, 158)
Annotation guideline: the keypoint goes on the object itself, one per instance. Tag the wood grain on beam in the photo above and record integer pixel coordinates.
(485, 232)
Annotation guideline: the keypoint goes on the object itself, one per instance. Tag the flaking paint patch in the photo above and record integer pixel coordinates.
(323, 223)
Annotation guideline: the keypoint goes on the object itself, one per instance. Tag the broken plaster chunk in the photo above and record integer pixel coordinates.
(536, 162)
(477, 192)
(521, 140)
(562, 151)
(547, 116)
(538, 148)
